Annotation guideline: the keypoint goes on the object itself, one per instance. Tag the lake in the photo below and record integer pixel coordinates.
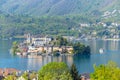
(83, 63)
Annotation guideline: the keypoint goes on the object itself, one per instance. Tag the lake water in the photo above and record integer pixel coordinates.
(83, 63)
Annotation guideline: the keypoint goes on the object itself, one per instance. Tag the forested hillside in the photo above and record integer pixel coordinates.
(57, 17)
(56, 7)
(11, 25)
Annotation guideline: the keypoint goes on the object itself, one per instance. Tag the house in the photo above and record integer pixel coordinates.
(114, 24)
(85, 76)
(8, 71)
(61, 49)
(50, 49)
(38, 40)
(41, 41)
(69, 38)
(69, 49)
(84, 25)
(107, 13)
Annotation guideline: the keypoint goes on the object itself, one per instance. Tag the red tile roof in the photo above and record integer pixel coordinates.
(7, 71)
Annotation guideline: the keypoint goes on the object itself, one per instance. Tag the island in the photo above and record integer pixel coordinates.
(35, 45)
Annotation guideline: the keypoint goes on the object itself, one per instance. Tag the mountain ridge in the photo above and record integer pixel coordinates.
(56, 7)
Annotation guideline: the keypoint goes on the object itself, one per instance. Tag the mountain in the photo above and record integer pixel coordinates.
(56, 7)
(66, 16)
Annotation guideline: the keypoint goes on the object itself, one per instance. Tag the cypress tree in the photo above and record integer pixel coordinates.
(74, 72)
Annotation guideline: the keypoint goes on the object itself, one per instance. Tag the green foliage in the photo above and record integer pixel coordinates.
(10, 77)
(106, 72)
(57, 17)
(54, 71)
(74, 72)
(32, 76)
(81, 49)
(65, 25)
(57, 7)
(15, 44)
(87, 50)
(60, 41)
(15, 47)
(25, 76)
(13, 25)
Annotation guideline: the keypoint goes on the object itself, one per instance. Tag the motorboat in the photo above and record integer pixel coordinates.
(101, 50)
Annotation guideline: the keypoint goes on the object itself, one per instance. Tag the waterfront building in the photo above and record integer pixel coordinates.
(38, 40)
(41, 41)
(8, 71)
(50, 49)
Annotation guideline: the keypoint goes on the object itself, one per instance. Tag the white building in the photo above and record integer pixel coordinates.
(28, 36)
(38, 40)
(41, 41)
(84, 25)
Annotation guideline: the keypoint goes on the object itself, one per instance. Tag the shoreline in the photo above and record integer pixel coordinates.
(111, 39)
(45, 55)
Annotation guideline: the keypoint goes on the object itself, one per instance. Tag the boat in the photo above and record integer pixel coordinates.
(101, 50)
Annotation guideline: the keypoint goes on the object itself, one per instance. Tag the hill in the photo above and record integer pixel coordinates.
(56, 7)
(12, 25)
(57, 17)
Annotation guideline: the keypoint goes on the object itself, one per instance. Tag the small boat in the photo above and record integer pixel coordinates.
(101, 50)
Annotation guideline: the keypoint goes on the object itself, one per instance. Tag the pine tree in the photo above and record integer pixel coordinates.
(74, 72)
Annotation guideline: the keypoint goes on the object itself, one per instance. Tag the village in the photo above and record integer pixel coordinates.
(11, 73)
(37, 45)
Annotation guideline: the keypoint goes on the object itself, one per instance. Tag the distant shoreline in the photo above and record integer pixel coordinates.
(112, 39)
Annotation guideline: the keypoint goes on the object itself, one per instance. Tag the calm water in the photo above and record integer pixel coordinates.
(83, 63)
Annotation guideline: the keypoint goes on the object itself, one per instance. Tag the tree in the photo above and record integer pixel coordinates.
(54, 71)
(87, 50)
(61, 41)
(106, 72)
(10, 77)
(33, 75)
(78, 48)
(15, 47)
(81, 49)
(74, 72)
(25, 76)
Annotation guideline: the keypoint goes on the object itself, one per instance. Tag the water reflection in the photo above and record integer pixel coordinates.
(35, 64)
(79, 60)
(83, 63)
(108, 45)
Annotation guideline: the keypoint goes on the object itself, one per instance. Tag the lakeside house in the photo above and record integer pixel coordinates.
(38, 40)
(7, 71)
(85, 76)
(49, 49)
(41, 41)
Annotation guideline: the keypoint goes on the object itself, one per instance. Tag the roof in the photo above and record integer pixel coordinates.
(86, 76)
(7, 71)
